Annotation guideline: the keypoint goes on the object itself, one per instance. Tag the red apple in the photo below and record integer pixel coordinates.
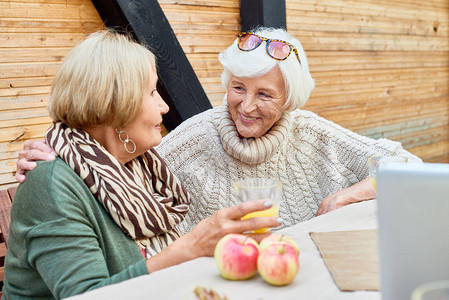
(236, 256)
(278, 263)
(278, 238)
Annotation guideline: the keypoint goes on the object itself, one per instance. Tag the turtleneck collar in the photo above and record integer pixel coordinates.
(251, 150)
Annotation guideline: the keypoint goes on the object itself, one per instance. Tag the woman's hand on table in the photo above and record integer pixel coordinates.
(32, 152)
(360, 191)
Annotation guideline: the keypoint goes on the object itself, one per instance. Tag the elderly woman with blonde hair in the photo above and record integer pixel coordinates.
(108, 209)
(260, 131)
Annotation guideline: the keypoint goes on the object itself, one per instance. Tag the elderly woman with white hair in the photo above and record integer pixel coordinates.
(260, 131)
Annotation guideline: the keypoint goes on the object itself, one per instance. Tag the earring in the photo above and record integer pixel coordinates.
(126, 140)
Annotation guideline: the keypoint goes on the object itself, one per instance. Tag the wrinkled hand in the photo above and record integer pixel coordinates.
(358, 192)
(32, 151)
(228, 220)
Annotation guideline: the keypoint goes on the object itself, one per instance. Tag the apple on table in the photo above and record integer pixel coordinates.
(278, 263)
(236, 256)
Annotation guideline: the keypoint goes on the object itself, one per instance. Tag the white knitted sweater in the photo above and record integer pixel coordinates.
(313, 157)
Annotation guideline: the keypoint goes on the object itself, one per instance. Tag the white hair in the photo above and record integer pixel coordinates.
(298, 81)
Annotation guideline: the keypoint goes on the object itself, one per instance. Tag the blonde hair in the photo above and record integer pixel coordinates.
(101, 81)
(298, 81)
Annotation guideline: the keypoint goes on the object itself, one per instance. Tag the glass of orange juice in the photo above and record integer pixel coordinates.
(253, 189)
(374, 162)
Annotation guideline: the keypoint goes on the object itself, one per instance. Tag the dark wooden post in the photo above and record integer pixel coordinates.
(178, 84)
(268, 13)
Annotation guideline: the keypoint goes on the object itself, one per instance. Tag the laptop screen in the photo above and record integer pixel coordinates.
(413, 215)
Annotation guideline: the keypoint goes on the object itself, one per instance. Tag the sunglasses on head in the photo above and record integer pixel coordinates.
(277, 49)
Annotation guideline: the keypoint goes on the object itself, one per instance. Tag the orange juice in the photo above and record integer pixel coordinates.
(373, 182)
(271, 212)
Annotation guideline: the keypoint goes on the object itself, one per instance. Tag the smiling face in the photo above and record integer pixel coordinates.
(145, 130)
(255, 103)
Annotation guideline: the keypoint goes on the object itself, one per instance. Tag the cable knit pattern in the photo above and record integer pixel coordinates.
(313, 157)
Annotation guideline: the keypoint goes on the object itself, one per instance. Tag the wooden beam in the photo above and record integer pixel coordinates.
(178, 84)
(268, 13)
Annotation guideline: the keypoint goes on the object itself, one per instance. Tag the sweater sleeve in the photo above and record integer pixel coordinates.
(345, 147)
(62, 243)
(69, 260)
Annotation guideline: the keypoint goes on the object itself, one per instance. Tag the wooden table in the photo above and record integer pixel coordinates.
(312, 282)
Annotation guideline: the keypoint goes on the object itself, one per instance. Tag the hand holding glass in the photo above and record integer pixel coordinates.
(375, 162)
(253, 189)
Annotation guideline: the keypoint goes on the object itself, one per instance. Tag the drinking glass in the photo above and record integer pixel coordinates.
(253, 189)
(374, 162)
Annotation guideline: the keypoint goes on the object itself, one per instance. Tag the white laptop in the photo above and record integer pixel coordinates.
(413, 214)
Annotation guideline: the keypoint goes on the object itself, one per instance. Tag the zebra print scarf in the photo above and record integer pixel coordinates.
(143, 197)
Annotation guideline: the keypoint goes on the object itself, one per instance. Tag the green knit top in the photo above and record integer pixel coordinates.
(62, 242)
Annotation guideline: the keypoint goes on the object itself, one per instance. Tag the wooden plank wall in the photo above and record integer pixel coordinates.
(381, 67)
(34, 37)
